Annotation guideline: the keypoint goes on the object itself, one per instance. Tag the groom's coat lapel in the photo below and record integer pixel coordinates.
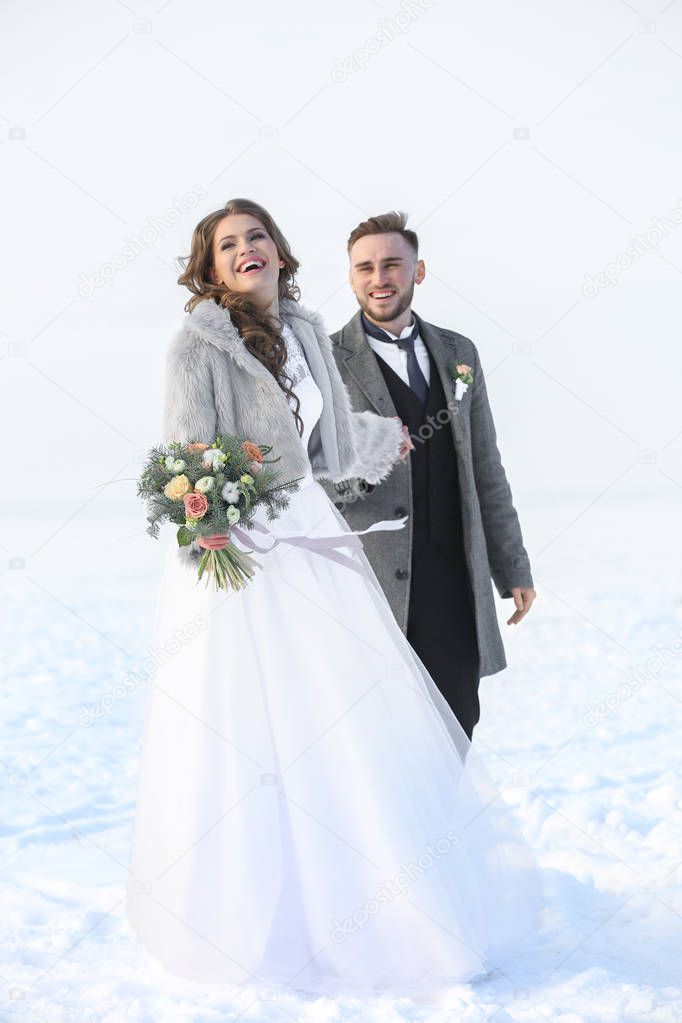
(362, 365)
(443, 349)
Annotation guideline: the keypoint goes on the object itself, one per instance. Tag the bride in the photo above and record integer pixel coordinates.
(310, 814)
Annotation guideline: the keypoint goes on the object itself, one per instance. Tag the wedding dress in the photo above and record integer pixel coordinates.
(310, 814)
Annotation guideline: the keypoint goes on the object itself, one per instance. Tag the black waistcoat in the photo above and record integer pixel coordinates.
(436, 505)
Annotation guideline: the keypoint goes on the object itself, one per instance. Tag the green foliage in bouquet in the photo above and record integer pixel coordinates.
(206, 489)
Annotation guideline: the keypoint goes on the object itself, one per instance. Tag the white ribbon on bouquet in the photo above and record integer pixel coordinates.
(327, 546)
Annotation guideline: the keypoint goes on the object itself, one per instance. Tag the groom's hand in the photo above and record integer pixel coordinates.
(407, 444)
(523, 598)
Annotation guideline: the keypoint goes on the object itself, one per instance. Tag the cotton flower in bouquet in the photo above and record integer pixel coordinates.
(205, 489)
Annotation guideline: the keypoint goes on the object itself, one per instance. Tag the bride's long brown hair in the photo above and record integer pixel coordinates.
(259, 331)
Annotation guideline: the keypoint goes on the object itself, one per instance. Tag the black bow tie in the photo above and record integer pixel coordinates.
(414, 374)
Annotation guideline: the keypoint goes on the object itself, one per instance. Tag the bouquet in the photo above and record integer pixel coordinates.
(205, 490)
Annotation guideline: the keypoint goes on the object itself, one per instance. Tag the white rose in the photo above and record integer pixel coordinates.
(233, 514)
(169, 462)
(179, 465)
(203, 485)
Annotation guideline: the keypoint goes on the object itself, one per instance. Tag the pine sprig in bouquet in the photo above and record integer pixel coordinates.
(205, 490)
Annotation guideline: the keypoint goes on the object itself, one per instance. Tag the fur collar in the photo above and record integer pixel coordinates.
(213, 323)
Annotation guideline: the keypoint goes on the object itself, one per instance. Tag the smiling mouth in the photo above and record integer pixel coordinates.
(251, 266)
(382, 296)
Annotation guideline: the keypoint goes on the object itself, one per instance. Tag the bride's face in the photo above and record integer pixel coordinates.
(245, 258)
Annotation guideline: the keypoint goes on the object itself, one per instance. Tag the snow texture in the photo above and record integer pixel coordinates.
(581, 732)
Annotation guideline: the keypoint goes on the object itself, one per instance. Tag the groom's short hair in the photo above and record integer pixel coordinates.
(393, 222)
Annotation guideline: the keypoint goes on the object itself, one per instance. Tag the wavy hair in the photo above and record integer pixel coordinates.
(259, 331)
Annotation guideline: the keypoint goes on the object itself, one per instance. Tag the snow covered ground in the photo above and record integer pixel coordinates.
(582, 732)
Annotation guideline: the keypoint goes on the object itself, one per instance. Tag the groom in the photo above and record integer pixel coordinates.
(462, 527)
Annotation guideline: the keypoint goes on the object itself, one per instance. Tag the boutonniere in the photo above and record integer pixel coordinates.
(461, 376)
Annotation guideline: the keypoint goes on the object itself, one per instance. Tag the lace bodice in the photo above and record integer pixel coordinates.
(303, 384)
(296, 365)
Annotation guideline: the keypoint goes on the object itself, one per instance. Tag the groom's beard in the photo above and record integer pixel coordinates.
(387, 311)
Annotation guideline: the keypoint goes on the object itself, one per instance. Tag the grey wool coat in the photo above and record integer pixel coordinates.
(493, 543)
(215, 385)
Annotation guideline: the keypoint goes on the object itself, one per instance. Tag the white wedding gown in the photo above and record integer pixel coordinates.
(310, 815)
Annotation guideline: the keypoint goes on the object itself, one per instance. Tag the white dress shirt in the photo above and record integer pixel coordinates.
(396, 357)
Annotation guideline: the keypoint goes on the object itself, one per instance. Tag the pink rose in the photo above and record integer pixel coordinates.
(255, 468)
(463, 369)
(196, 505)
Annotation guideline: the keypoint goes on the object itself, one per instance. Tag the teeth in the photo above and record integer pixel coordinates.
(382, 294)
(253, 264)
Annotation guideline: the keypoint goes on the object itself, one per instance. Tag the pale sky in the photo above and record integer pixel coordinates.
(529, 144)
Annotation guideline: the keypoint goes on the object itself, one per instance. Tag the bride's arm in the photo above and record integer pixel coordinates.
(189, 414)
(371, 443)
(379, 443)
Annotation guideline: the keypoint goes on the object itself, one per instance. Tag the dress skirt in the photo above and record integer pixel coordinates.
(310, 814)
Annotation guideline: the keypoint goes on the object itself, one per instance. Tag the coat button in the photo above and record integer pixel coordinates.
(400, 511)
(401, 573)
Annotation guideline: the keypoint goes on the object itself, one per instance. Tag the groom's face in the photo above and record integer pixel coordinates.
(383, 272)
